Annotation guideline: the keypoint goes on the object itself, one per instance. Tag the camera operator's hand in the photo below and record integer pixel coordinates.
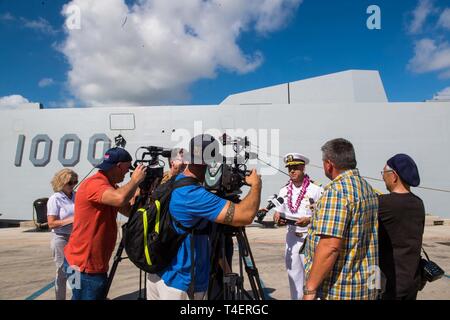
(303, 221)
(278, 220)
(135, 196)
(139, 174)
(254, 179)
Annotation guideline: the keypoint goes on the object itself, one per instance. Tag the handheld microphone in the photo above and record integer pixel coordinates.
(275, 202)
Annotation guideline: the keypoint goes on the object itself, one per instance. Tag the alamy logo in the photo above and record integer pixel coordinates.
(264, 143)
(374, 281)
(73, 277)
(73, 20)
(374, 20)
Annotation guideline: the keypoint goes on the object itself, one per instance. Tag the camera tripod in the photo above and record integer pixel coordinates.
(117, 259)
(224, 284)
(140, 200)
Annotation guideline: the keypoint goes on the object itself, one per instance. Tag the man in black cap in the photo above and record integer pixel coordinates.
(401, 224)
(194, 206)
(94, 235)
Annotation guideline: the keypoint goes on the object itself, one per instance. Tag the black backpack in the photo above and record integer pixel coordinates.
(150, 239)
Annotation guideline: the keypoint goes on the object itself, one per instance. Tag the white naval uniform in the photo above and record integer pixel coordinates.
(295, 261)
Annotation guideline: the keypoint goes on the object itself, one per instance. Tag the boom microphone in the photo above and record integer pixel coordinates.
(159, 151)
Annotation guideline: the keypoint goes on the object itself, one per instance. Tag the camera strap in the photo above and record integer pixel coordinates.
(426, 255)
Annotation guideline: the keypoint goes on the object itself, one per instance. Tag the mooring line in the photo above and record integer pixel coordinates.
(41, 291)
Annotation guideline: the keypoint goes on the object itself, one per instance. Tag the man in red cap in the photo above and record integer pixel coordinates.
(401, 224)
(94, 235)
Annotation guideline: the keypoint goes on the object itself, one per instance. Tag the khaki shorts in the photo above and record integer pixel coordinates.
(158, 290)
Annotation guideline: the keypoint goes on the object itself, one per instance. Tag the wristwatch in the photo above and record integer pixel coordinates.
(307, 292)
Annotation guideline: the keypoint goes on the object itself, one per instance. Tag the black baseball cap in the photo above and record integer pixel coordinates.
(203, 150)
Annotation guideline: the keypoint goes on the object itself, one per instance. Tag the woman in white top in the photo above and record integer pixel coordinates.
(60, 208)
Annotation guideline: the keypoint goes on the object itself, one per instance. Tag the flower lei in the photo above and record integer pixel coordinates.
(305, 184)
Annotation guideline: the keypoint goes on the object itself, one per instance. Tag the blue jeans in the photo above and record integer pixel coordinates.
(85, 286)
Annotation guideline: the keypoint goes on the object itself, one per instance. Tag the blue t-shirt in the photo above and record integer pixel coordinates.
(188, 206)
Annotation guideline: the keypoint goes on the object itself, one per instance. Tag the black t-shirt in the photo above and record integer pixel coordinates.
(401, 225)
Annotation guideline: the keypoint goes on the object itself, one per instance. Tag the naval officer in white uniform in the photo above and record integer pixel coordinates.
(300, 195)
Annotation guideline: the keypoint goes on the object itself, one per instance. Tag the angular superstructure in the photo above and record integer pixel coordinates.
(353, 86)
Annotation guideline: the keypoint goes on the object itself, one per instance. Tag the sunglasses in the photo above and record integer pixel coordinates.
(386, 171)
(296, 167)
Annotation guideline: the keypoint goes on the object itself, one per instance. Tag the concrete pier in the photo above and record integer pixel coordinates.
(27, 268)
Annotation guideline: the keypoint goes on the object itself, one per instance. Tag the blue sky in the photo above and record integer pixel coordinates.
(312, 38)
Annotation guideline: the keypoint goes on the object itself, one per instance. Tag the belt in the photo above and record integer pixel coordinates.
(300, 234)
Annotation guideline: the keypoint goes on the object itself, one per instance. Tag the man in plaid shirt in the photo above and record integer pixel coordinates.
(341, 250)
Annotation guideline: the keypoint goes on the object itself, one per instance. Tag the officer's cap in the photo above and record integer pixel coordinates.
(292, 159)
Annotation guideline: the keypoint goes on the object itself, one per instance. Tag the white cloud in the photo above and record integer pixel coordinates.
(163, 46)
(45, 82)
(40, 25)
(64, 103)
(6, 17)
(420, 15)
(430, 55)
(444, 19)
(443, 95)
(13, 102)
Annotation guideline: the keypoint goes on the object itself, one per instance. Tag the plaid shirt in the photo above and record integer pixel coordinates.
(348, 210)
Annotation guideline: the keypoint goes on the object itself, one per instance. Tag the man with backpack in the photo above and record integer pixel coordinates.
(193, 207)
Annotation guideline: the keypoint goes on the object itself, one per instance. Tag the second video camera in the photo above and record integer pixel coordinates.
(227, 178)
(155, 166)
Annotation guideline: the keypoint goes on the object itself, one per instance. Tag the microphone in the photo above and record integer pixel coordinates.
(274, 202)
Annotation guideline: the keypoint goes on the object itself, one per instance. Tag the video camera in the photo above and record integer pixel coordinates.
(227, 178)
(155, 166)
(150, 159)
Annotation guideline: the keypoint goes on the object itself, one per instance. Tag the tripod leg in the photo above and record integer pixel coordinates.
(242, 258)
(117, 259)
(140, 285)
(145, 285)
(215, 285)
(250, 268)
(230, 286)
